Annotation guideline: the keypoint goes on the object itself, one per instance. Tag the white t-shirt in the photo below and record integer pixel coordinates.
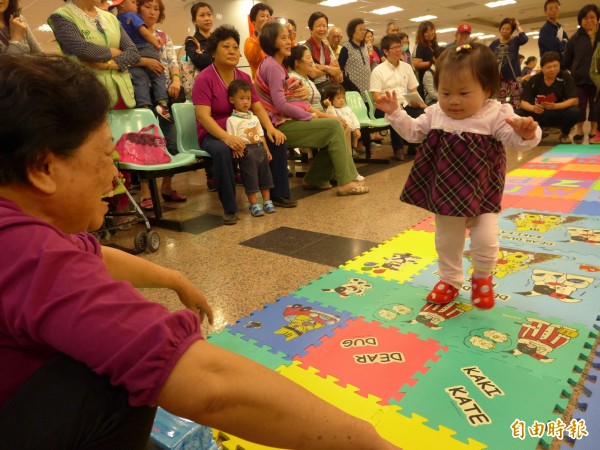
(401, 79)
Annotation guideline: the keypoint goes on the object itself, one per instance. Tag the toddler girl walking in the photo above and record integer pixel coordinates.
(460, 167)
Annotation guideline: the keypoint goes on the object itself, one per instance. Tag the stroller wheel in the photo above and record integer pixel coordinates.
(153, 241)
(140, 242)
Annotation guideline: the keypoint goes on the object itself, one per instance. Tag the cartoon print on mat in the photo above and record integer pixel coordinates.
(302, 319)
(488, 339)
(589, 268)
(536, 221)
(432, 315)
(394, 263)
(557, 284)
(585, 235)
(354, 286)
(511, 260)
(391, 312)
(539, 338)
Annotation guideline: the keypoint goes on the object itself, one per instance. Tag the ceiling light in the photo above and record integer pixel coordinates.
(45, 27)
(536, 37)
(334, 3)
(500, 3)
(442, 44)
(386, 10)
(422, 18)
(487, 36)
(532, 33)
(445, 30)
(474, 35)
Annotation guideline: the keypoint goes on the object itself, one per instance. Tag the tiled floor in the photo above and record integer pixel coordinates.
(242, 267)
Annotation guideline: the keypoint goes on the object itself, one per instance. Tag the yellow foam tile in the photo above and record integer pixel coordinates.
(533, 173)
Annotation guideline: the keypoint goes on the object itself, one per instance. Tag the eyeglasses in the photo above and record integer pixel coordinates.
(396, 47)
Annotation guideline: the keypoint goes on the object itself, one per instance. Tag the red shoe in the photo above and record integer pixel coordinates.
(442, 293)
(482, 292)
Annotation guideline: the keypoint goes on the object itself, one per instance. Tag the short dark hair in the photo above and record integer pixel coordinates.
(220, 34)
(510, 21)
(389, 39)
(550, 1)
(238, 85)
(332, 90)
(258, 8)
(530, 59)
(296, 54)
(161, 8)
(549, 57)
(586, 10)
(351, 27)
(474, 57)
(12, 10)
(316, 16)
(268, 36)
(48, 104)
(292, 22)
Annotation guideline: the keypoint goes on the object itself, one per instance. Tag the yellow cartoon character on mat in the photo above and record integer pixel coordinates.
(391, 312)
(539, 338)
(511, 262)
(302, 319)
(394, 263)
(533, 221)
(355, 286)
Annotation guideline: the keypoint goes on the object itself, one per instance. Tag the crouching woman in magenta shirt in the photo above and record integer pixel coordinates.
(299, 126)
(85, 357)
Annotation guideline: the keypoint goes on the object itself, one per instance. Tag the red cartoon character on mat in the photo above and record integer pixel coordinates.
(538, 339)
(432, 315)
(585, 235)
(557, 284)
(394, 263)
(302, 319)
(589, 268)
(355, 286)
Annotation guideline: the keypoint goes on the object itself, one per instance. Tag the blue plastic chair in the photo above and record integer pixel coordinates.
(184, 115)
(367, 125)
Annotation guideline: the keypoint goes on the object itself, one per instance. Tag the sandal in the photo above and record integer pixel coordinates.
(442, 293)
(482, 292)
(564, 139)
(146, 204)
(311, 187)
(356, 190)
(174, 196)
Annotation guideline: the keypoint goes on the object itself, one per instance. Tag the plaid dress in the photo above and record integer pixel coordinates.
(460, 165)
(457, 174)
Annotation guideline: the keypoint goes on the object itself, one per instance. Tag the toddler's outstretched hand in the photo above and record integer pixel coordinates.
(523, 126)
(388, 102)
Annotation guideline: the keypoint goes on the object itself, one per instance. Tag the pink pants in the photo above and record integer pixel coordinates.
(450, 244)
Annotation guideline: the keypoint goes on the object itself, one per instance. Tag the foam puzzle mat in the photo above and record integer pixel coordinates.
(452, 376)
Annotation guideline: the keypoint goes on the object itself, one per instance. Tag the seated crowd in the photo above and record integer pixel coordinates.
(137, 64)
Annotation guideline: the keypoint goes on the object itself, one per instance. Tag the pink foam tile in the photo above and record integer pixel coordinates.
(576, 175)
(546, 204)
(426, 225)
(509, 201)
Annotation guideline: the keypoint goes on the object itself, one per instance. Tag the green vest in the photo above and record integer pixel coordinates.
(115, 81)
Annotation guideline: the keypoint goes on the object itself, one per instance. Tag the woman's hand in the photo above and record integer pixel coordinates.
(269, 156)
(153, 65)
(276, 136)
(191, 297)
(236, 144)
(114, 52)
(17, 29)
(387, 102)
(300, 91)
(174, 87)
